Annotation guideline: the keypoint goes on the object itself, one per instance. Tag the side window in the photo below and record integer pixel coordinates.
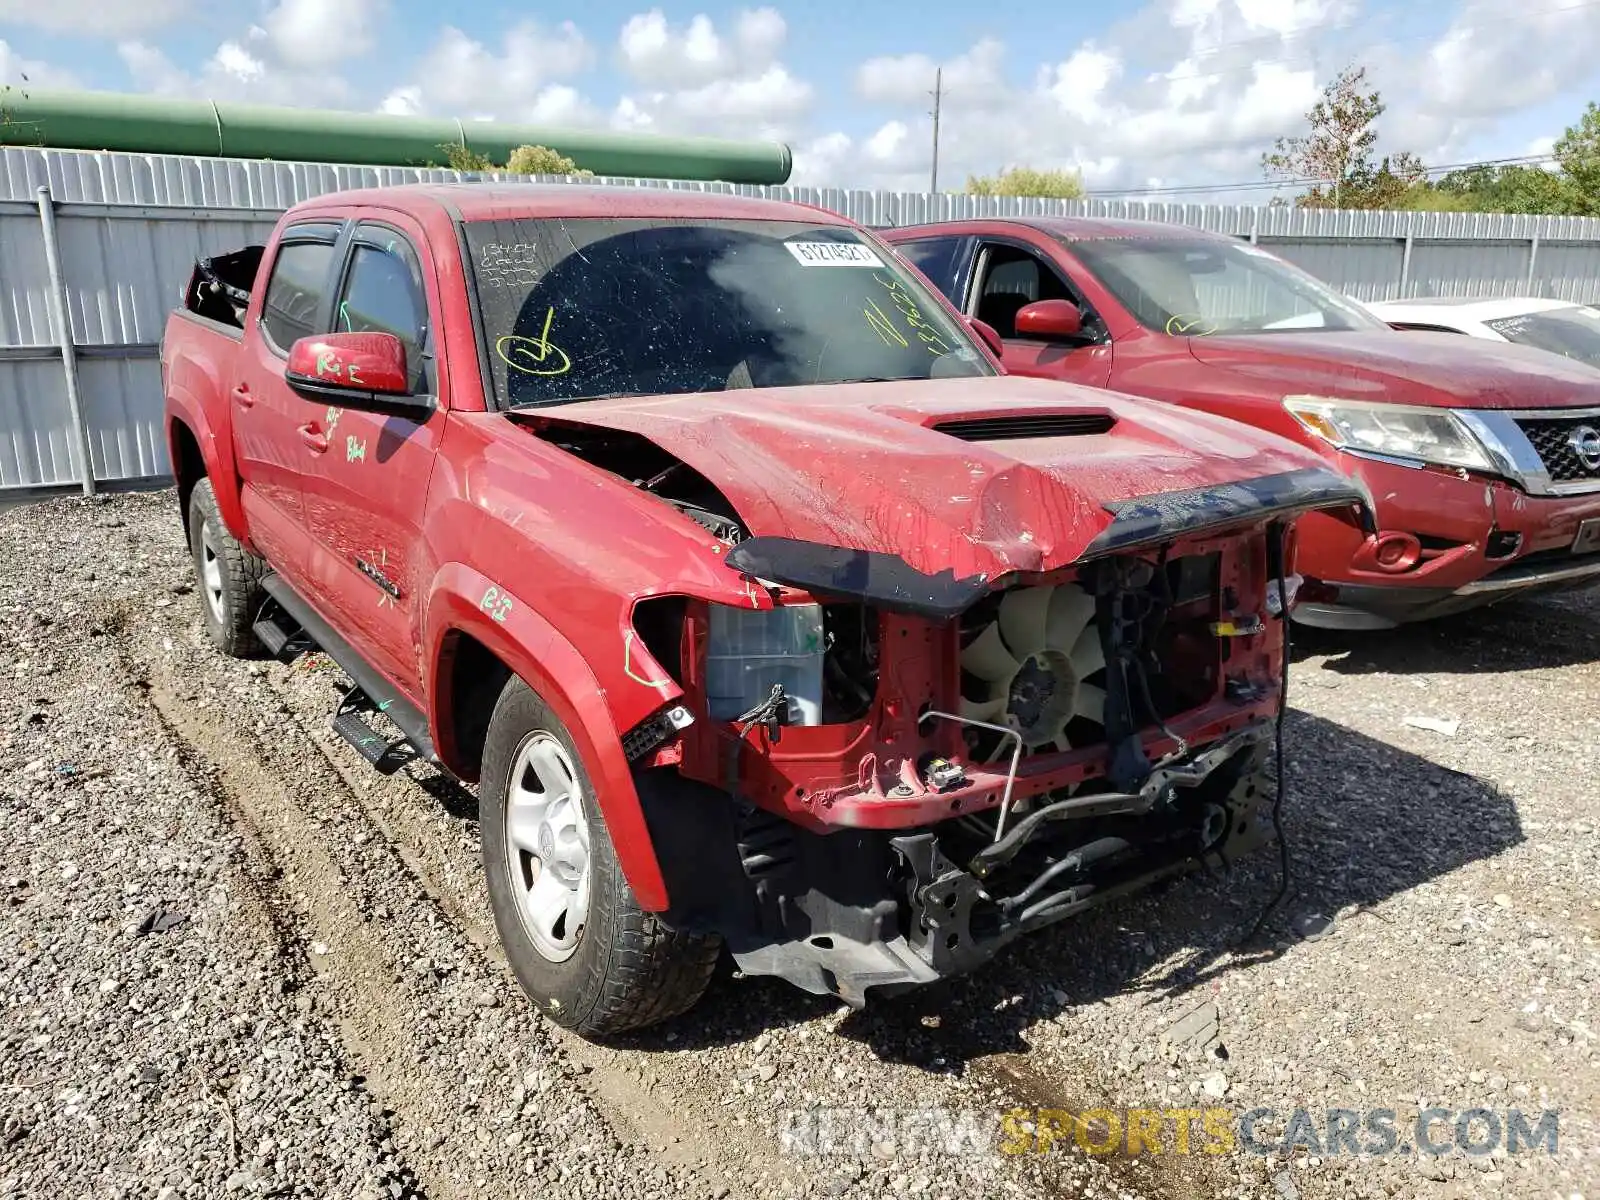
(1013, 277)
(294, 293)
(935, 258)
(383, 294)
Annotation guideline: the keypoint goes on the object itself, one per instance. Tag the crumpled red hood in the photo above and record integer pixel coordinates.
(1447, 370)
(860, 466)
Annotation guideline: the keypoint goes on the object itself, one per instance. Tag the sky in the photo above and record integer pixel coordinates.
(1154, 99)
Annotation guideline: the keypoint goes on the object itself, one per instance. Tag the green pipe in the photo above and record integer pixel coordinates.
(221, 129)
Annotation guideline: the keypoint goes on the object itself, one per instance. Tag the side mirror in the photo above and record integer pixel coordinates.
(1052, 320)
(989, 335)
(355, 370)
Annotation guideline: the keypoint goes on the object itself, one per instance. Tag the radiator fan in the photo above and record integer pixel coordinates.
(1031, 663)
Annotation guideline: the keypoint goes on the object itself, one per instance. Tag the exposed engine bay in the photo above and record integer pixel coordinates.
(1068, 741)
(878, 776)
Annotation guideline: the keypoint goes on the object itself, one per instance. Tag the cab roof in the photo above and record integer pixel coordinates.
(509, 201)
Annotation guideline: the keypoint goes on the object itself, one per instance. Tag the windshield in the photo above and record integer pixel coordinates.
(1574, 332)
(574, 309)
(1193, 287)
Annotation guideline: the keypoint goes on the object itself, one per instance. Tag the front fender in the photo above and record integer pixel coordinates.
(216, 451)
(549, 664)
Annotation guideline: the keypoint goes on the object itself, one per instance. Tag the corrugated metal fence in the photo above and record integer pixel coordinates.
(124, 231)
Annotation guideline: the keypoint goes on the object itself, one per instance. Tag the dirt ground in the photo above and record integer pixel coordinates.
(234, 960)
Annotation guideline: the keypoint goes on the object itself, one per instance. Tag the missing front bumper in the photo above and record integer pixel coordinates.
(949, 906)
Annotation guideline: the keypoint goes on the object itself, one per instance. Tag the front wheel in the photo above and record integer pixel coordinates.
(228, 574)
(581, 946)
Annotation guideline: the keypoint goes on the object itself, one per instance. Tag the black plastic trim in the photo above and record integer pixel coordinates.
(385, 696)
(885, 580)
(1165, 515)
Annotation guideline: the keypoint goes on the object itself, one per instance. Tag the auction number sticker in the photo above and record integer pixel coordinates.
(833, 254)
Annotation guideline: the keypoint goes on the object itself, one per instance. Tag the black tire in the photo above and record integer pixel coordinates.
(627, 970)
(229, 600)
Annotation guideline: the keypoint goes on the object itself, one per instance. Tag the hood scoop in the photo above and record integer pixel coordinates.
(1027, 425)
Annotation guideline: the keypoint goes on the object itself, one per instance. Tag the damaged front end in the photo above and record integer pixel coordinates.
(902, 772)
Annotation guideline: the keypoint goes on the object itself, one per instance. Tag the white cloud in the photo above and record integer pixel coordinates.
(1177, 91)
(321, 33)
(19, 72)
(754, 105)
(93, 18)
(402, 102)
(696, 79)
(1078, 86)
(233, 60)
(653, 52)
(238, 69)
(975, 79)
(512, 81)
(1486, 63)
(1171, 92)
(884, 145)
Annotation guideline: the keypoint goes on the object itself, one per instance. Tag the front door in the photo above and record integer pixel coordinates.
(366, 494)
(1009, 276)
(270, 443)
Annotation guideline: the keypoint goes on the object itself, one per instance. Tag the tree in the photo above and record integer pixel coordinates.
(1578, 155)
(464, 158)
(8, 120)
(541, 160)
(1337, 151)
(1397, 179)
(1508, 189)
(1026, 181)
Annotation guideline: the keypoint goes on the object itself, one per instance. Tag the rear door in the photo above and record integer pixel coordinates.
(366, 494)
(271, 443)
(1009, 274)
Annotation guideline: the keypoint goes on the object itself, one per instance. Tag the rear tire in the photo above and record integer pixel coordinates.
(587, 955)
(229, 577)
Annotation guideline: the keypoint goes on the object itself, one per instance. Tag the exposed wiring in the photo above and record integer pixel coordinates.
(1275, 559)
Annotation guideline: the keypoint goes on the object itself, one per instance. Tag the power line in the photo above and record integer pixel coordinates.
(1322, 27)
(1274, 184)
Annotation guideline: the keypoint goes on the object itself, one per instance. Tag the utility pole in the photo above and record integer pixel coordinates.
(938, 99)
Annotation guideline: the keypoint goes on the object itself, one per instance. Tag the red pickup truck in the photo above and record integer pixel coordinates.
(1484, 459)
(720, 552)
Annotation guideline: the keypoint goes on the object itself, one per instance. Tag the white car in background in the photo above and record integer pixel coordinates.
(1555, 325)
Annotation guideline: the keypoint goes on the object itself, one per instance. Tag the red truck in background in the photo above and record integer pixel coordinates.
(763, 607)
(1484, 459)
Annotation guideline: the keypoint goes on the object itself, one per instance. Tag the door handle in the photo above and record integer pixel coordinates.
(243, 396)
(313, 437)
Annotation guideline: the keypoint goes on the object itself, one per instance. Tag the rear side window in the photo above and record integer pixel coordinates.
(382, 294)
(294, 294)
(935, 258)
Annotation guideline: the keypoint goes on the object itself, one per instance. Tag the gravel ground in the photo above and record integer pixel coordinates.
(235, 960)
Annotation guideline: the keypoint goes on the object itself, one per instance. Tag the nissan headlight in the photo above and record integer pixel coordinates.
(1424, 435)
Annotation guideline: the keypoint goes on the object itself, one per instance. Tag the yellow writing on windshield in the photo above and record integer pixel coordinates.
(910, 314)
(534, 356)
(883, 326)
(1190, 325)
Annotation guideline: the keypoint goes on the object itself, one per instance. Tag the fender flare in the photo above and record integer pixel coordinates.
(183, 408)
(552, 666)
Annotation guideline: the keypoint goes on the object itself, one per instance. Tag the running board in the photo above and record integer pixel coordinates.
(385, 755)
(372, 691)
(279, 633)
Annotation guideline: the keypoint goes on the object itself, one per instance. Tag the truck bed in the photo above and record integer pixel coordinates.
(219, 287)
